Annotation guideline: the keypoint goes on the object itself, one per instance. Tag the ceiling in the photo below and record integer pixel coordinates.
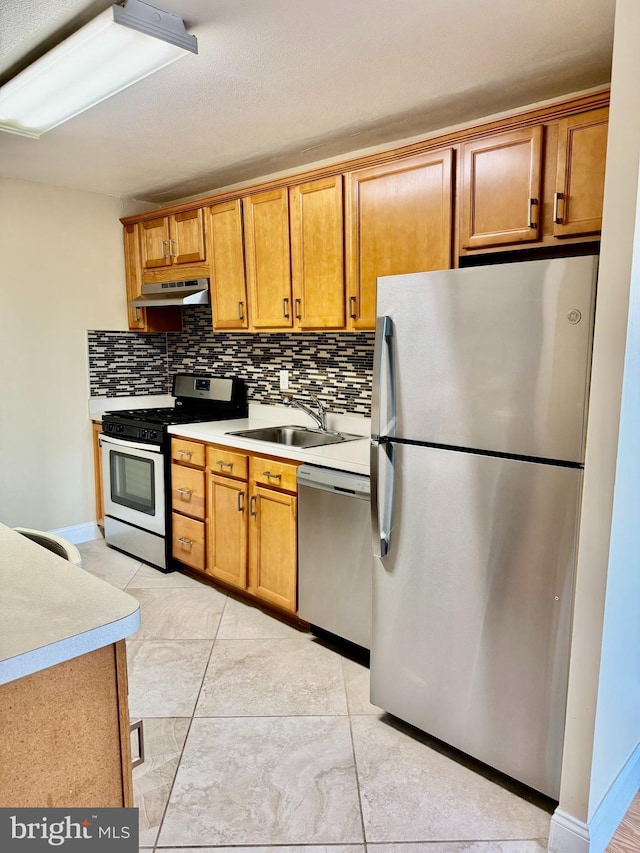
(281, 83)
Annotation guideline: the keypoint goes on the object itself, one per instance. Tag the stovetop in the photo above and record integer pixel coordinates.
(199, 399)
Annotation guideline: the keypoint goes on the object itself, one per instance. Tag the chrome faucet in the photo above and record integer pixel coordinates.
(319, 418)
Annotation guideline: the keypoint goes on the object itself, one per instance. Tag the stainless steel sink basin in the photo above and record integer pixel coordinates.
(295, 436)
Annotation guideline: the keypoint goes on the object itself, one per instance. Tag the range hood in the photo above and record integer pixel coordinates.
(194, 291)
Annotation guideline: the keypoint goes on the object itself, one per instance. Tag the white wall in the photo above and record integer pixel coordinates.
(61, 273)
(605, 661)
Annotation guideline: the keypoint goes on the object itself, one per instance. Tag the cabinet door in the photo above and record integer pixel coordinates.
(582, 150)
(273, 547)
(400, 221)
(266, 229)
(226, 255)
(227, 530)
(501, 178)
(317, 254)
(137, 320)
(154, 243)
(187, 237)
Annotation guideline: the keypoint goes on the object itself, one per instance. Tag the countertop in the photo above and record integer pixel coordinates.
(352, 456)
(52, 611)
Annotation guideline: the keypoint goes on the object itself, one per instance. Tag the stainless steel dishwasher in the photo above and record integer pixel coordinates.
(335, 559)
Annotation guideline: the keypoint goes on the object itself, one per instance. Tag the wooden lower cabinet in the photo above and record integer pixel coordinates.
(273, 547)
(188, 541)
(65, 735)
(227, 530)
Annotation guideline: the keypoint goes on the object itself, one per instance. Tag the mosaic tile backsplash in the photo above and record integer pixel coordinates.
(335, 367)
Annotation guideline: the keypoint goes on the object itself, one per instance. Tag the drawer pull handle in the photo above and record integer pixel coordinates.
(353, 311)
(185, 493)
(186, 453)
(184, 541)
(240, 501)
(172, 252)
(271, 476)
(224, 464)
(252, 505)
(240, 310)
(532, 222)
(298, 303)
(164, 254)
(285, 307)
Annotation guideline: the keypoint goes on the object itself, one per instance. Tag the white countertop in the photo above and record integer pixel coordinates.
(352, 456)
(52, 611)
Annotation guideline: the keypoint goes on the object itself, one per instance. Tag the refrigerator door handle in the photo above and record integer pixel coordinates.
(381, 496)
(383, 394)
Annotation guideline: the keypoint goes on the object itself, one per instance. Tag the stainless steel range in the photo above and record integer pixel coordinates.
(136, 462)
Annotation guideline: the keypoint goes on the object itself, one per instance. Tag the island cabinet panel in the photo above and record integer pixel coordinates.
(266, 231)
(582, 150)
(399, 221)
(273, 547)
(229, 306)
(501, 188)
(227, 503)
(317, 254)
(65, 735)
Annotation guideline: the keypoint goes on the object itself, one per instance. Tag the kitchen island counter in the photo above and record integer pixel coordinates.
(52, 611)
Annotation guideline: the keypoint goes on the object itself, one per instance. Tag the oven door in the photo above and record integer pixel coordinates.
(133, 483)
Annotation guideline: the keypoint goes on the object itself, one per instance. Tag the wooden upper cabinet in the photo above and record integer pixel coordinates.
(501, 186)
(229, 306)
(266, 232)
(317, 254)
(582, 150)
(144, 319)
(175, 239)
(132, 274)
(399, 221)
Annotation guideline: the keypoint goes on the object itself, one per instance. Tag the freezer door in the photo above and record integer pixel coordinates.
(495, 358)
(472, 606)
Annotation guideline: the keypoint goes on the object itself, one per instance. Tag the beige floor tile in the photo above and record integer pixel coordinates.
(179, 613)
(267, 781)
(460, 847)
(107, 564)
(356, 681)
(149, 578)
(272, 678)
(152, 780)
(240, 621)
(165, 676)
(410, 792)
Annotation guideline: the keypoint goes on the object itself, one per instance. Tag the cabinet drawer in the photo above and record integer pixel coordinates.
(187, 452)
(228, 463)
(188, 541)
(187, 491)
(276, 475)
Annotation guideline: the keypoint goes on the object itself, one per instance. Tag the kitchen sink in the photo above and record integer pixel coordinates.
(296, 436)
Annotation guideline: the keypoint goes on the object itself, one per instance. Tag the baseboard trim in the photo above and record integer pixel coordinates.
(615, 803)
(78, 533)
(568, 834)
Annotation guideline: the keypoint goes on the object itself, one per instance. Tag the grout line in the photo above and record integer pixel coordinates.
(353, 753)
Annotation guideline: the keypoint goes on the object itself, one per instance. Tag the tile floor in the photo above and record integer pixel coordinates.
(260, 736)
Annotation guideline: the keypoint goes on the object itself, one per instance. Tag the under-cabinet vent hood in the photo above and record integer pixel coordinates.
(194, 291)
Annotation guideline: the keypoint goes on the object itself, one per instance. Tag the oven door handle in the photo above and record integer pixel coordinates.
(131, 445)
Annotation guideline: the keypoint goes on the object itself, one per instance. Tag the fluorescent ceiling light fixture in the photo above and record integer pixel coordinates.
(124, 44)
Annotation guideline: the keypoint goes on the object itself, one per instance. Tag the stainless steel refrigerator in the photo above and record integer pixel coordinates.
(481, 379)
